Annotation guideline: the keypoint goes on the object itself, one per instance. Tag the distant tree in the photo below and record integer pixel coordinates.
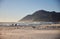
(15, 24)
(12, 24)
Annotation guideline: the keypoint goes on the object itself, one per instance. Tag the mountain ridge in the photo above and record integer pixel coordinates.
(42, 15)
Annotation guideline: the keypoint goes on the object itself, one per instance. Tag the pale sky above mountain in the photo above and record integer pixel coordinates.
(14, 10)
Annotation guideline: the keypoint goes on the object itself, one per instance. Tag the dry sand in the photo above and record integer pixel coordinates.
(9, 33)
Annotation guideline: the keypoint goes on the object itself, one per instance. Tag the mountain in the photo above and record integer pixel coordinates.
(42, 15)
(27, 18)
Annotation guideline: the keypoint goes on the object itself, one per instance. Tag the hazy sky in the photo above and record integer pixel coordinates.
(13, 10)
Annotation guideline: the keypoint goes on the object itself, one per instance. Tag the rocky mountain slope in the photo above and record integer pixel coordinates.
(42, 15)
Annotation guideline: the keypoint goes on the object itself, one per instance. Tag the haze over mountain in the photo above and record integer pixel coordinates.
(42, 15)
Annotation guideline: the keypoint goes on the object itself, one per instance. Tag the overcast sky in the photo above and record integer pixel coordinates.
(13, 10)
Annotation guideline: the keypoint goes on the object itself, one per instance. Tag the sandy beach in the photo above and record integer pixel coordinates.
(13, 33)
